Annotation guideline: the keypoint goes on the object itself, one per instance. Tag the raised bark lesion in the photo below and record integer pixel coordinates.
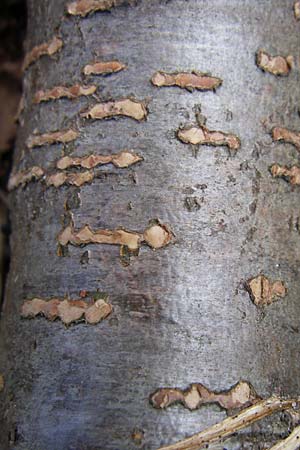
(24, 176)
(156, 236)
(127, 107)
(47, 48)
(297, 10)
(103, 68)
(68, 311)
(263, 292)
(84, 7)
(200, 135)
(276, 65)
(196, 395)
(121, 160)
(53, 137)
(286, 135)
(290, 174)
(69, 92)
(186, 80)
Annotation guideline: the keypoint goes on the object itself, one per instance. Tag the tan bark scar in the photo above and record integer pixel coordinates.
(264, 292)
(196, 395)
(63, 91)
(186, 80)
(124, 107)
(24, 176)
(200, 135)
(84, 7)
(74, 179)
(292, 174)
(103, 68)
(297, 10)
(47, 48)
(276, 65)
(63, 137)
(157, 235)
(285, 135)
(121, 160)
(68, 311)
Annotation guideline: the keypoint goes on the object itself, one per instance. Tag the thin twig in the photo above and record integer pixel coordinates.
(235, 423)
(292, 442)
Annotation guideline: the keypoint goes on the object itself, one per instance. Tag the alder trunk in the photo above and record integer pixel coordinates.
(184, 311)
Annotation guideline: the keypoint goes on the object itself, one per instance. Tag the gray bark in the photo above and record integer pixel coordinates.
(181, 314)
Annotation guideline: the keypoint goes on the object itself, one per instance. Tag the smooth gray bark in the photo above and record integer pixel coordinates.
(181, 314)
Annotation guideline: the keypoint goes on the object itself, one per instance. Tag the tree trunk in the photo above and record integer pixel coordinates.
(181, 313)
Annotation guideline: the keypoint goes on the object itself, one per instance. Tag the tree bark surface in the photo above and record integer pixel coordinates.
(181, 313)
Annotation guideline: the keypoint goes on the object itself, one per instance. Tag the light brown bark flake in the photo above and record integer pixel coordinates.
(157, 235)
(47, 48)
(276, 65)
(127, 107)
(297, 10)
(99, 311)
(286, 135)
(74, 179)
(186, 80)
(122, 159)
(196, 395)
(103, 68)
(84, 7)
(24, 176)
(68, 311)
(63, 137)
(63, 91)
(292, 174)
(264, 292)
(200, 135)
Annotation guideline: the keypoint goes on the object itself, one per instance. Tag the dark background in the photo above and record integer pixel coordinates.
(12, 33)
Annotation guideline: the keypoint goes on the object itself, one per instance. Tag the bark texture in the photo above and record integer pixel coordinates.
(181, 313)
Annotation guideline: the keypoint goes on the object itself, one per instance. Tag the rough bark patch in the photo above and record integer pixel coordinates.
(292, 174)
(24, 176)
(264, 292)
(84, 7)
(235, 423)
(47, 48)
(63, 136)
(68, 311)
(297, 10)
(200, 135)
(103, 68)
(74, 179)
(186, 80)
(120, 160)
(63, 91)
(285, 135)
(157, 235)
(124, 107)
(277, 65)
(196, 395)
